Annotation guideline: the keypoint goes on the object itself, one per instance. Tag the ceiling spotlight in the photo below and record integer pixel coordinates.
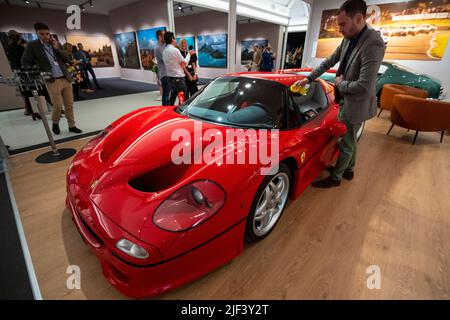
(91, 4)
(27, 2)
(82, 8)
(180, 7)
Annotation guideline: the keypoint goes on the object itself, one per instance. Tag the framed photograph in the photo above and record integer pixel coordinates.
(99, 47)
(212, 51)
(147, 43)
(127, 51)
(411, 30)
(247, 49)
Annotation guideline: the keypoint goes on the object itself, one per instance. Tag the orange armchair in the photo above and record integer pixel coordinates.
(390, 90)
(420, 114)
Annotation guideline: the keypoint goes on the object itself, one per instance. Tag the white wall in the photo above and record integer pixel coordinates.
(436, 69)
(138, 16)
(258, 30)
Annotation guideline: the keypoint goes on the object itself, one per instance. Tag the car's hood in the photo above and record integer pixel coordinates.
(130, 171)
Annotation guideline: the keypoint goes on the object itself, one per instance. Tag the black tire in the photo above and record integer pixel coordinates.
(250, 234)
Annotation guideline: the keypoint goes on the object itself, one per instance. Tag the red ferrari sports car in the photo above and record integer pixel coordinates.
(156, 224)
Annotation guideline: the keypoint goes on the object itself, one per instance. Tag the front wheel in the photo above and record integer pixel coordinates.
(268, 204)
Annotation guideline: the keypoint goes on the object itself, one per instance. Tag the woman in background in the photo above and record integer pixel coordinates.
(191, 68)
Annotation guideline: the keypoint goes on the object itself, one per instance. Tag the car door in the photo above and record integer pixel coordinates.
(311, 141)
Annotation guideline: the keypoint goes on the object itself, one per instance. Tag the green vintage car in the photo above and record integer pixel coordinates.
(391, 72)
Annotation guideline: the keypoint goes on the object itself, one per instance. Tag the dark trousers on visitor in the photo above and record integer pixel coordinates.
(347, 147)
(176, 85)
(191, 87)
(165, 91)
(91, 71)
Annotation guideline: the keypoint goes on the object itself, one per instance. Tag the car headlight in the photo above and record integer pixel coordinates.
(189, 206)
(132, 249)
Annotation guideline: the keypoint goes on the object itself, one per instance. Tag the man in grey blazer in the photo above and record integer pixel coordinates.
(359, 55)
(49, 57)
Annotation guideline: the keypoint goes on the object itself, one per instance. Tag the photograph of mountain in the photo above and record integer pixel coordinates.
(212, 51)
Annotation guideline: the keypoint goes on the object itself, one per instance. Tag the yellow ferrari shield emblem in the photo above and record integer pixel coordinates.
(302, 157)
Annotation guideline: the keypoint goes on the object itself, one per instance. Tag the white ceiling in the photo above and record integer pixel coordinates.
(189, 10)
(297, 10)
(100, 6)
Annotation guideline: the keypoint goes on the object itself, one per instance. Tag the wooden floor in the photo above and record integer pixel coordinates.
(395, 214)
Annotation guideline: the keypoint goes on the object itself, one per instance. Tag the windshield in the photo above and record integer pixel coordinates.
(238, 101)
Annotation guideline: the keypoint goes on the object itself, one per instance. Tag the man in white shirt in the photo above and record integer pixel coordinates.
(175, 65)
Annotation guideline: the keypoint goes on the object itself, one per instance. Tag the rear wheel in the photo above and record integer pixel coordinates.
(268, 204)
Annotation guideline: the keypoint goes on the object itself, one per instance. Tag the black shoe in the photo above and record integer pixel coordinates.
(75, 130)
(55, 128)
(348, 175)
(326, 183)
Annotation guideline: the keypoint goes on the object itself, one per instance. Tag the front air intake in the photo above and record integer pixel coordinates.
(160, 178)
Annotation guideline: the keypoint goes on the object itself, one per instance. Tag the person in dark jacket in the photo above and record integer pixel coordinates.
(85, 57)
(267, 59)
(47, 54)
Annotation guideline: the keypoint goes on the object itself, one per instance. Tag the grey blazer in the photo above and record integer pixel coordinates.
(358, 87)
(35, 55)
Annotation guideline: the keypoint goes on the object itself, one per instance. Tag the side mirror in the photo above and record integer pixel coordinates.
(338, 129)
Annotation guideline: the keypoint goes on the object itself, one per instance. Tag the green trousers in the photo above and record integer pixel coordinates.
(347, 148)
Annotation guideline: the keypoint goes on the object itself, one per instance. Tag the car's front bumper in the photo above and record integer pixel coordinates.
(101, 234)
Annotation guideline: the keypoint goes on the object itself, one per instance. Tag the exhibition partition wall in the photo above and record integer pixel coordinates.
(421, 50)
(139, 17)
(210, 24)
(213, 23)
